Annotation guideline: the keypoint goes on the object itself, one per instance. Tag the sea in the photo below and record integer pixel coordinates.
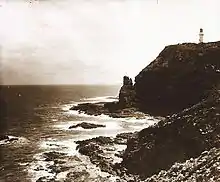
(37, 120)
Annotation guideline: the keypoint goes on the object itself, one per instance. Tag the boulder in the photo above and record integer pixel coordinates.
(4, 137)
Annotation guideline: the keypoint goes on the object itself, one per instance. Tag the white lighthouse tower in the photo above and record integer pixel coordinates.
(201, 35)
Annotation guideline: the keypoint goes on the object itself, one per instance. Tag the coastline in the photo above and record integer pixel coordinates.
(190, 130)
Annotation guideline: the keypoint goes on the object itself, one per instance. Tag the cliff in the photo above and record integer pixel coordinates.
(175, 139)
(183, 84)
(181, 76)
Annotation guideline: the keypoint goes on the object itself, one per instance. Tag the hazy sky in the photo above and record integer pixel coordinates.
(95, 41)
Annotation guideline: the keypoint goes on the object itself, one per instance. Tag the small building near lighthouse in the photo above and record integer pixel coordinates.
(201, 35)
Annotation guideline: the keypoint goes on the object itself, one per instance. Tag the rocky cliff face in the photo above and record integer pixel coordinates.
(179, 77)
(176, 139)
(183, 84)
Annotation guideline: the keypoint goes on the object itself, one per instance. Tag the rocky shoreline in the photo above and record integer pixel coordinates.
(110, 109)
(97, 149)
(182, 84)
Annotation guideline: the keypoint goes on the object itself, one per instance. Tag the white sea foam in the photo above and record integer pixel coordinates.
(101, 99)
(39, 167)
(61, 176)
(14, 140)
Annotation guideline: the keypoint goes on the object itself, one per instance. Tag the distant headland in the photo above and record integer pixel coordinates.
(183, 85)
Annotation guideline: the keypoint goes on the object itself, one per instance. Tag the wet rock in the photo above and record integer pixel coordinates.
(120, 153)
(101, 140)
(4, 137)
(77, 176)
(46, 179)
(89, 149)
(57, 168)
(122, 138)
(95, 153)
(51, 156)
(111, 109)
(13, 139)
(91, 108)
(87, 125)
(97, 148)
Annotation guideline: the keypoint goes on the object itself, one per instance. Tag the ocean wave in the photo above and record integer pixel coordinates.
(66, 161)
(13, 140)
(100, 99)
(39, 168)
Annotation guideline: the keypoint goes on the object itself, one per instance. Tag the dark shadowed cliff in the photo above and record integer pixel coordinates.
(179, 77)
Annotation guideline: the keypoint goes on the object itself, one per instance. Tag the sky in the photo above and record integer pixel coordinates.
(95, 41)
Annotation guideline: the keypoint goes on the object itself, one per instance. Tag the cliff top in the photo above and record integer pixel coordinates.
(185, 52)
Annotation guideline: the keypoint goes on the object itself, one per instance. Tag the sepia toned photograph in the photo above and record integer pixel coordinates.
(109, 91)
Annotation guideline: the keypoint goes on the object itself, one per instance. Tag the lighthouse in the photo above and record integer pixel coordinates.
(201, 35)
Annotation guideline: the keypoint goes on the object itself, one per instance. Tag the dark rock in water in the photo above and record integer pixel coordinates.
(176, 139)
(91, 108)
(112, 109)
(96, 149)
(4, 137)
(120, 153)
(13, 139)
(46, 179)
(92, 148)
(122, 138)
(96, 156)
(181, 76)
(57, 168)
(77, 176)
(87, 125)
(101, 140)
(51, 156)
(8, 139)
